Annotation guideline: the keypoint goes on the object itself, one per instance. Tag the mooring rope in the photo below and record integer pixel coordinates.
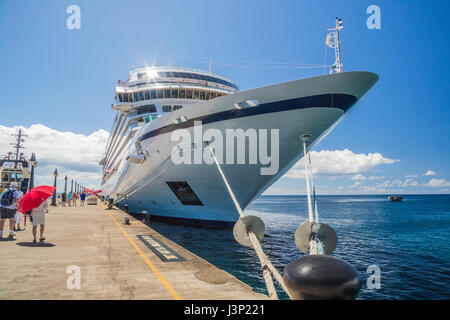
(267, 267)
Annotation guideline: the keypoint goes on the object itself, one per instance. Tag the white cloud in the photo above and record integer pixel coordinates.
(430, 173)
(412, 175)
(355, 185)
(339, 162)
(384, 184)
(371, 178)
(438, 183)
(359, 177)
(282, 191)
(408, 182)
(75, 155)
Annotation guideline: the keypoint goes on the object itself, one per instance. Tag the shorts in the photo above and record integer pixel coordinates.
(38, 218)
(6, 213)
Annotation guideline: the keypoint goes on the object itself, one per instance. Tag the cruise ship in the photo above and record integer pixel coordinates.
(187, 145)
(156, 101)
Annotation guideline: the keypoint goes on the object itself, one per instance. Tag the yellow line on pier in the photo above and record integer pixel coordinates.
(166, 284)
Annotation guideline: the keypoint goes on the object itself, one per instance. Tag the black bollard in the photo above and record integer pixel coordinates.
(126, 207)
(127, 221)
(110, 203)
(321, 277)
(146, 217)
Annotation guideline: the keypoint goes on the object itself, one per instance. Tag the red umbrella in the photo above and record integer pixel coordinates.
(33, 198)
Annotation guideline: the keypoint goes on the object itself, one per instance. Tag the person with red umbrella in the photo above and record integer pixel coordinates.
(36, 201)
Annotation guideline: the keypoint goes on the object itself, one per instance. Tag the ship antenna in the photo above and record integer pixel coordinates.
(18, 145)
(334, 42)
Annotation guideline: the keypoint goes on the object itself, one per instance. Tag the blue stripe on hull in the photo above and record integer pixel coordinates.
(335, 100)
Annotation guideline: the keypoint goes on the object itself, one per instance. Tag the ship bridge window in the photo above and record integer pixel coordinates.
(149, 108)
(174, 93)
(167, 108)
(167, 93)
(196, 95)
(123, 97)
(176, 107)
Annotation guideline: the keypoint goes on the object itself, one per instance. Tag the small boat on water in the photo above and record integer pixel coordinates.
(395, 198)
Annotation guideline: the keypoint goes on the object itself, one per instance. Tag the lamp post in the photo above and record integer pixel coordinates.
(33, 164)
(65, 184)
(71, 187)
(54, 184)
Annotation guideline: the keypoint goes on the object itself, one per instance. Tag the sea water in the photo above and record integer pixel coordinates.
(408, 241)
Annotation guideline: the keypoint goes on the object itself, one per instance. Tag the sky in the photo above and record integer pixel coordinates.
(59, 83)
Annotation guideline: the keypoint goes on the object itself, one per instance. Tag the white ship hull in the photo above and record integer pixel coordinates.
(308, 106)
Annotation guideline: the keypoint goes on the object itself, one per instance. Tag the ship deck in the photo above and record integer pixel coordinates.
(93, 247)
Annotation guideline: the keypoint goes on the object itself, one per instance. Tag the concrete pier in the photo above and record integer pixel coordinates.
(93, 247)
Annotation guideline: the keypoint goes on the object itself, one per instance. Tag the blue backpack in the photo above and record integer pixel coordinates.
(7, 198)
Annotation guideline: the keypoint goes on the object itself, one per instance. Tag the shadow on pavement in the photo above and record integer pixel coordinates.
(35, 244)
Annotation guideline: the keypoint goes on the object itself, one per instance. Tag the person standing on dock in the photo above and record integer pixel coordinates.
(9, 202)
(69, 198)
(74, 199)
(82, 198)
(38, 215)
(18, 216)
(64, 198)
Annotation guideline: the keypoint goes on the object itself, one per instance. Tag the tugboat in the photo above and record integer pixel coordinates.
(14, 167)
(395, 198)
